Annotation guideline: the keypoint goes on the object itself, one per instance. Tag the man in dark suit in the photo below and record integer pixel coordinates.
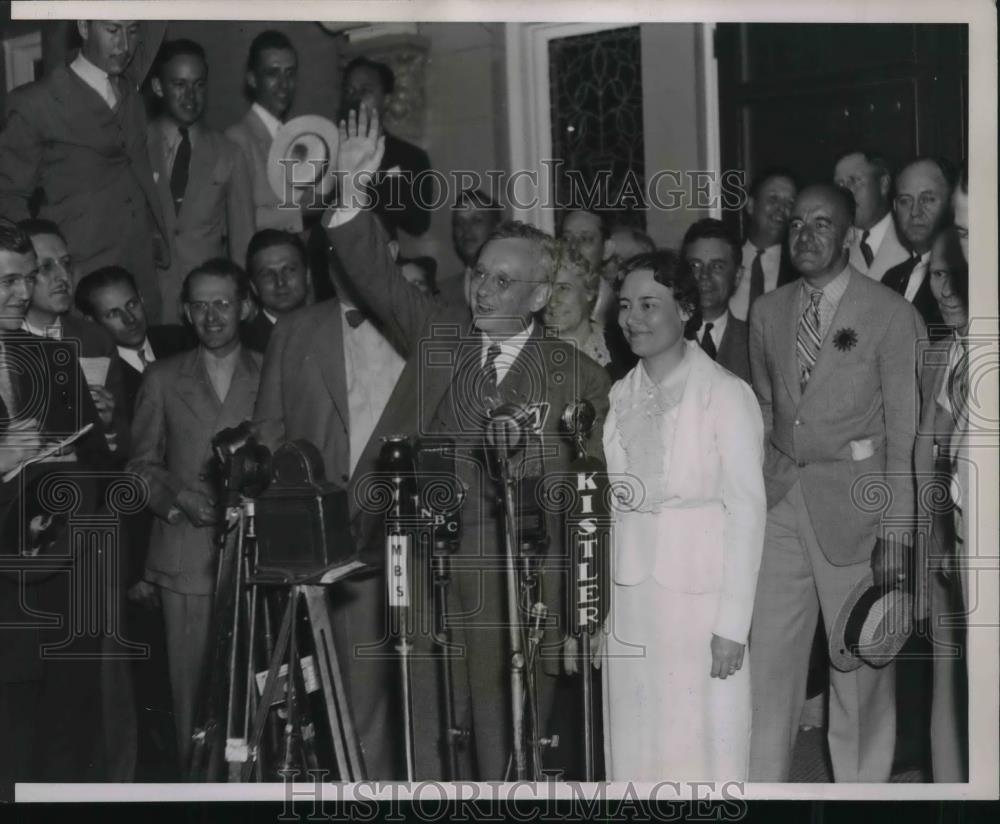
(402, 199)
(457, 384)
(271, 76)
(183, 402)
(875, 247)
(280, 280)
(48, 316)
(833, 360)
(79, 134)
(922, 209)
(202, 178)
(766, 264)
(108, 299)
(714, 257)
(50, 707)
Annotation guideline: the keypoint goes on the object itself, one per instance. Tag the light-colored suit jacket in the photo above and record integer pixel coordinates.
(303, 387)
(177, 414)
(712, 533)
(849, 437)
(216, 217)
(890, 253)
(253, 138)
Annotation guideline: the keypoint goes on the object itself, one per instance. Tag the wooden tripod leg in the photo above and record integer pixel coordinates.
(345, 741)
(270, 686)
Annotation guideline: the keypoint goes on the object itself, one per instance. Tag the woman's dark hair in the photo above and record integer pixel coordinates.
(670, 270)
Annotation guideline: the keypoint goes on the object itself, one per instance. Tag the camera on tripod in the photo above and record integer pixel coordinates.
(302, 521)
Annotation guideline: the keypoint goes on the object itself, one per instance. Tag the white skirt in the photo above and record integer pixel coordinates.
(665, 718)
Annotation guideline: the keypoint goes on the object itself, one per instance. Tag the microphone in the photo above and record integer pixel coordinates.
(507, 429)
(578, 421)
(441, 494)
(396, 459)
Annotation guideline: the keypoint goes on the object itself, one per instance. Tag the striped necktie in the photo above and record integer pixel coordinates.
(808, 340)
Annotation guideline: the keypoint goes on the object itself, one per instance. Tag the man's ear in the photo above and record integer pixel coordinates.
(253, 288)
(540, 297)
(608, 250)
(251, 80)
(750, 205)
(83, 27)
(245, 308)
(884, 185)
(394, 249)
(187, 313)
(157, 87)
(849, 239)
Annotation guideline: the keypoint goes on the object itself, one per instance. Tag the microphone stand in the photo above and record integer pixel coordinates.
(397, 458)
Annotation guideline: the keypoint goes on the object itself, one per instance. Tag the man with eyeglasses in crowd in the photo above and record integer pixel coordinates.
(183, 402)
(490, 366)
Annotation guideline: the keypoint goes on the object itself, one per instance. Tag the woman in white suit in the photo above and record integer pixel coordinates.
(687, 546)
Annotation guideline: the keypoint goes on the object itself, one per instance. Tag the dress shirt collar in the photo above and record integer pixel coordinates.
(131, 356)
(509, 350)
(270, 317)
(718, 327)
(172, 133)
(877, 233)
(832, 292)
(271, 123)
(48, 331)
(96, 78)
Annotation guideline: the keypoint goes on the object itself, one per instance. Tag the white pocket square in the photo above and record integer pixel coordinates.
(156, 177)
(860, 450)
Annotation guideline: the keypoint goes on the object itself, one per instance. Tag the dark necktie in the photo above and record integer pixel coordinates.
(866, 250)
(490, 382)
(179, 174)
(899, 275)
(355, 317)
(756, 278)
(707, 344)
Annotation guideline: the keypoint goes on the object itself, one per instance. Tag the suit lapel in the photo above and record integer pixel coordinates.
(156, 153)
(242, 389)
(195, 389)
(329, 331)
(785, 335)
(847, 313)
(199, 172)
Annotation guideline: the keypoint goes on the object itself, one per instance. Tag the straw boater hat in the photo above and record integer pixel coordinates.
(308, 147)
(871, 626)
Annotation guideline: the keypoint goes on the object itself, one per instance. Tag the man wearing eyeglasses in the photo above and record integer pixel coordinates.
(714, 256)
(184, 400)
(449, 387)
(875, 247)
(922, 208)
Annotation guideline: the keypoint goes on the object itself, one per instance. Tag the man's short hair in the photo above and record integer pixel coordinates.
(875, 159)
(270, 39)
(771, 172)
(672, 271)
(222, 268)
(14, 239)
(100, 279)
(600, 214)
(386, 77)
(843, 197)
(710, 228)
(177, 48)
(518, 230)
(35, 226)
(946, 167)
(476, 199)
(268, 239)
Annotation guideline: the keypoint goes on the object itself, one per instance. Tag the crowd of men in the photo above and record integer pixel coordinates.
(196, 302)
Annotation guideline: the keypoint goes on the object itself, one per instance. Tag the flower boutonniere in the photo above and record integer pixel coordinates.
(845, 339)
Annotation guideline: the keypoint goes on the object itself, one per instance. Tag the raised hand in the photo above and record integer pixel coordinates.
(359, 153)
